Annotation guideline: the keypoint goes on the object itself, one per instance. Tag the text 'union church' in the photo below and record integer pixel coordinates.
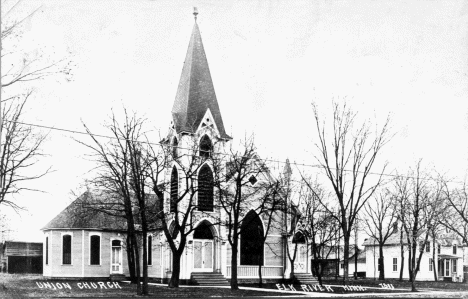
(94, 246)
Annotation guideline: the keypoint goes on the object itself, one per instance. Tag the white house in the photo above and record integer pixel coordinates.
(449, 259)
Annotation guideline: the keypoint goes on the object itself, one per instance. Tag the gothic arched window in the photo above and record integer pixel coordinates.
(205, 189)
(174, 189)
(251, 247)
(175, 145)
(299, 238)
(206, 147)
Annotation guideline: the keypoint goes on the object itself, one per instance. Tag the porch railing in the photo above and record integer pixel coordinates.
(252, 271)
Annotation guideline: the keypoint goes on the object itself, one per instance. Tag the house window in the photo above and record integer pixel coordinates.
(95, 250)
(47, 250)
(438, 249)
(341, 265)
(454, 249)
(447, 267)
(66, 249)
(430, 264)
(428, 246)
(395, 264)
(174, 189)
(205, 189)
(454, 266)
(150, 250)
(206, 147)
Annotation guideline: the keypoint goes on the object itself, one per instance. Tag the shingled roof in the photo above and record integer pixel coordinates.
(100, 210)
(196, 94)
(79, 215)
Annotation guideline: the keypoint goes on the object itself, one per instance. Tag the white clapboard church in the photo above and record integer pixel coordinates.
(94, 246)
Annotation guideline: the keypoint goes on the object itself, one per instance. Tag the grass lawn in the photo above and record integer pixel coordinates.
(26, 286)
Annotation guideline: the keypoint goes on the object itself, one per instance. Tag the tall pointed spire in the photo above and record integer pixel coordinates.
(196, 94)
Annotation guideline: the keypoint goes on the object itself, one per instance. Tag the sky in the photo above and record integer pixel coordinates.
(269, 61)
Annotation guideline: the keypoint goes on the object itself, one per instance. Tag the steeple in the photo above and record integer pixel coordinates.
(196, 94)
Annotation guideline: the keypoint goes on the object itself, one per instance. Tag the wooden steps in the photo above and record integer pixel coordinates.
(208, 279)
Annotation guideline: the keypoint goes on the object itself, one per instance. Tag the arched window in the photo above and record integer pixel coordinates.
(95, 250)
(175, 144)
(206, 147)
(203, 231)
(205, 189)
(299, 238)
(150, 250)
(66, 249)
(47, 251)
(251, 247)
(174, 189)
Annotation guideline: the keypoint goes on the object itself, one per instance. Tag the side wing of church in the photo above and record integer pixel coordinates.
(94, 245)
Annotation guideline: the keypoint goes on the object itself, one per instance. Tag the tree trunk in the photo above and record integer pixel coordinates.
(234, 285)
(144, 290)
(356, 251)
(260, 283)
(174, 282)
(434, 269)
(346, 259)
(130, 259)
(410, 258)
(402, 253)
(381, 258)
(137, 263)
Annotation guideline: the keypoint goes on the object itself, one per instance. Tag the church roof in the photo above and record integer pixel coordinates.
(196, 94)
(99, 210)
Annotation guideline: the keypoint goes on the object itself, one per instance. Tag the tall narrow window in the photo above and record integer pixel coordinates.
(174, 189)
(175, 145)
(47, 250)
(454, 249)
(438, 249)
(454, 266)
(150, 250)
(251, 246)
(95, 250)
(430, 264)
(428, 246)
(395, 264)
(206, 147)
(66, 249)
(205, 189)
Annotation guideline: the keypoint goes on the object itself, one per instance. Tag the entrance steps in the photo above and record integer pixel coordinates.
(305, 278)
(208, 279)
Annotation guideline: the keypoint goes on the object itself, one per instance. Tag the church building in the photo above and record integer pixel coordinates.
(93, 246)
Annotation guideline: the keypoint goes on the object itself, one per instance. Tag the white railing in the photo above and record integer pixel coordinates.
(252, 271)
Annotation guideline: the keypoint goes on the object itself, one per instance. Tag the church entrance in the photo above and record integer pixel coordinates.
(203, 248)
(300, 264)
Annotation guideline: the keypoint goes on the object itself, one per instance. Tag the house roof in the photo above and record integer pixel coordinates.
(98, 210)
(195, 93)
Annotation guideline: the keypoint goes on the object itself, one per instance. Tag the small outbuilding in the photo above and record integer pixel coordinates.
(21, 257)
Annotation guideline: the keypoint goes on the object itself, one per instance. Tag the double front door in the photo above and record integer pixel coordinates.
(300, 264)
(203, 255)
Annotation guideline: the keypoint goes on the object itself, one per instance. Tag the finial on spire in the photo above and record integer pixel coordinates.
(195, 13)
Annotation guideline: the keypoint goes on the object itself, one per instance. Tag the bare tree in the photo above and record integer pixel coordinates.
(421, 204)
(20, 143)
(457, 201)
(348, 157)
(321, 226)
(240, 192)
(122, 165)
(380, 219)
